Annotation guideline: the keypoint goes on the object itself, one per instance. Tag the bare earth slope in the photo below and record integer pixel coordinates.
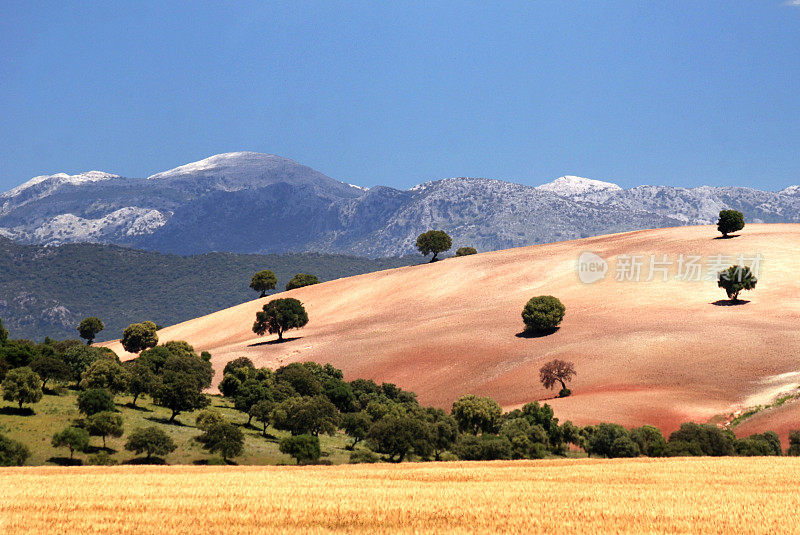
(646, 352)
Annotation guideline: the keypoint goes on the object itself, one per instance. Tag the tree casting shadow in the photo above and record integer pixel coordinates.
(537, 334)
(139, 408)
(164, 421)
(16, 411)
(729, 303)
(145, 460)
(65, 461)
(273, 342)
(728, 237)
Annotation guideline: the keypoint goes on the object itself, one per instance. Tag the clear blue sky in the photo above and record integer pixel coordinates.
(676, 93)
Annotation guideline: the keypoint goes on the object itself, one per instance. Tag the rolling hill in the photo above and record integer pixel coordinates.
(645, 352)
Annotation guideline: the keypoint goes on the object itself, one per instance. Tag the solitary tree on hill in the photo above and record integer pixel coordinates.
(263, 281)
(300, 280)
(543, 313)
(433, 241)
(89, 328)
(557, 371)
(730, 221)
(279, 315)
(735, 279)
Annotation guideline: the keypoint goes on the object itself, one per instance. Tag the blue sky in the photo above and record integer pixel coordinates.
(397, 93)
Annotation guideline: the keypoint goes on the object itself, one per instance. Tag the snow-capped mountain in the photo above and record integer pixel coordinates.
(252, 202)
(575, 186)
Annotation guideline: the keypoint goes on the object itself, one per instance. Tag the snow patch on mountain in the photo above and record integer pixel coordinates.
(46, 184)
(570, 186)
(66, 228)
(791, 190)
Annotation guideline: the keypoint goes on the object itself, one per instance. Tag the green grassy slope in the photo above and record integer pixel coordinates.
(55, 412)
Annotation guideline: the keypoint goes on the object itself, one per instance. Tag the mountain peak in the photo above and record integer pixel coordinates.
(791, 190)
(45, 184)
(569, 185)
(222, 162)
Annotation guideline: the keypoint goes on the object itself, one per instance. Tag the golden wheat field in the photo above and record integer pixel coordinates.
(726, 495)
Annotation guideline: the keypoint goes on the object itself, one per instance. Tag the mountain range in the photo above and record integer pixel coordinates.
(247, 202)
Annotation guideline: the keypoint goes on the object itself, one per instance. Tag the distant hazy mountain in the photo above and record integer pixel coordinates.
(259, 203)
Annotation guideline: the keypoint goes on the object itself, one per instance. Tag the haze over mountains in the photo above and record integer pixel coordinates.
(249, 202)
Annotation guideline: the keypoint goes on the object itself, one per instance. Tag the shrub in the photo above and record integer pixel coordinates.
(300, 280)
(730, 221)
(304, 448)
(624, 447)
(604, 440)
(101, 459)
(764, 444)
(482, 448)
(466, 251)
(543, 313)
(364, 456)
(433, 241)
(12, 452)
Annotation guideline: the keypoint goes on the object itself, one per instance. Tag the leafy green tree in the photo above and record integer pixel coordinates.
(150, 440)
(208, 417)
(182, 382)
(51, 369)
(650, 441)
(74, 438)
(95, 400)
(155, 357)
(482, 448)
(466, 251)
(433, 241)
(22, 385)
(735, 279)
(557, 370)
(141, 378)
(356, 425)
(730, 221)
(300, 280)
(3, 333)
(262, 412)
(624, 447)
(103, 424)
(80, 357)
(280, 315)
(543, 313)
(700, 439)
(223, 438)
(19, 353)
(304, 448)
(248, 394)
(12, 452)
(760, 444)
(527, 441)
(263, 281)
(306, 415)
(300, 378)
(794, 444)
(443, 431)
(240, 363)
(89, 328)
(229, 386)
(396, 436)
(139, 336)
(105, 373)
(476, 414)
(603, 441)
